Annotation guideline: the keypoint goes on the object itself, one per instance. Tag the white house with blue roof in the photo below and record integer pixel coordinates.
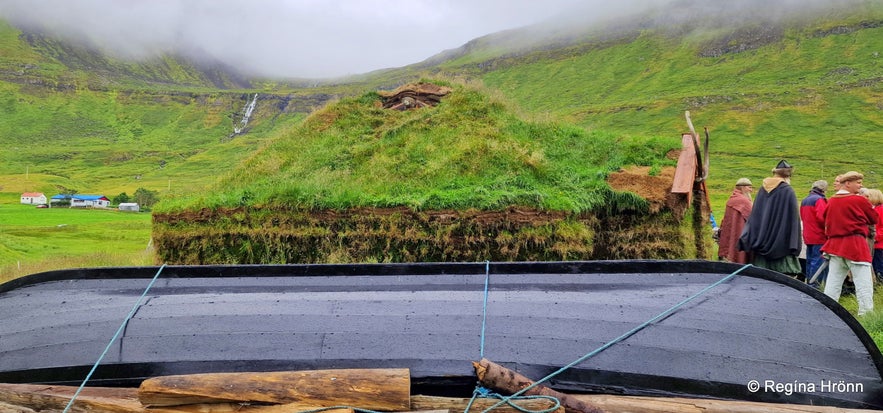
(83, 201)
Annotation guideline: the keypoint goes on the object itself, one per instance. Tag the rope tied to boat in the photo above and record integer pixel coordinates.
(487, 280)
(483, 392)
(605, 346)
(114, 338)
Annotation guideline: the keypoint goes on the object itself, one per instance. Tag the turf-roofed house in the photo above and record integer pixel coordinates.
(436, 172)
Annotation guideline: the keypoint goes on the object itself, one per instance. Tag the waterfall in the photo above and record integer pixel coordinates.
(248, 109)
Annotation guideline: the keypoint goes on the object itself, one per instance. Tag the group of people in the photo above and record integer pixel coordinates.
(837, 233)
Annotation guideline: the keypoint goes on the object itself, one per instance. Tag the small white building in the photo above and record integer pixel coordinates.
(90, 201)
(83, 201)
(129, 206)
(33, 198)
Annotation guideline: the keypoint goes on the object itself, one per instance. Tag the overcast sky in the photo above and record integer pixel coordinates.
(320, 38)
(294, 38)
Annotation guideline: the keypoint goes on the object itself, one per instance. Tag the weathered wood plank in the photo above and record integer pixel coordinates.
(373, 389)
(639, 404)
(11, 408)
(39, 397)
(455, 404)
(685, 174)
(241, 408)
(30, 398)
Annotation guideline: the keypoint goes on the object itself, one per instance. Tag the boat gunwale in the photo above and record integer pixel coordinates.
(624, 267)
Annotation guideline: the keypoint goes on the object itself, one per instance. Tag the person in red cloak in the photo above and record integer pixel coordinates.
(735, 215)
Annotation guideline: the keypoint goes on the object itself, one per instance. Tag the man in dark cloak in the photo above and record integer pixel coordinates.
(772, 233)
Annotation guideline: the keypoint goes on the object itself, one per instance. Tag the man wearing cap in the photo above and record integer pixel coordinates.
(848, 218)
(772, 233)
(737, 211)
(812, 215)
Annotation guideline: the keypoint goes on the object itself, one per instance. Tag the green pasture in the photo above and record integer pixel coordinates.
(40, 239)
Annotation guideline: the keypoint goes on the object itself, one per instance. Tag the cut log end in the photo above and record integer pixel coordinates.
(499, 378)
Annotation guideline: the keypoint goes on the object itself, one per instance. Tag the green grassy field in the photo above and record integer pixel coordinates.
(41, 239)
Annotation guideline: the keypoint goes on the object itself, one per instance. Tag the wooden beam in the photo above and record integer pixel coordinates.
(639, 404)
(41, 397)
(456, 404)
(30, 398)
(372, 389)
(685, 174)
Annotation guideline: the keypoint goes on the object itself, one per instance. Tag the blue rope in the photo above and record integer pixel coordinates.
(487, 276)
(486, 393)
(481, 391)
(626, 335)
(115, 336)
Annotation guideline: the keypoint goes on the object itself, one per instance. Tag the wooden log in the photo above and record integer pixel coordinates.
(26, 398)
(242, 408)
(641, 404)
(499, 378)
(40, 397)
(372, 389)
(30, 398)
(11, 408)
(456, 404)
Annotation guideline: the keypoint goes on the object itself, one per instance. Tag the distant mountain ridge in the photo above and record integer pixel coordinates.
(735, 26)
(169, 70)
(81, 66)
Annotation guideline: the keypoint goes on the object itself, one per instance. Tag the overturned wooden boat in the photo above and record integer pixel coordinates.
(640, 328)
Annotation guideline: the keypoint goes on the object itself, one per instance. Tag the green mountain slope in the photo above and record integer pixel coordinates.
(766, 89)
(91, 123)
(770, 102)
(807, 89)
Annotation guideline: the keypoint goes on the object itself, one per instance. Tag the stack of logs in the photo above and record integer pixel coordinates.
(340, 391)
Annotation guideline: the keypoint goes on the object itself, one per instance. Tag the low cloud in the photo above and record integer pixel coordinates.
(302, 38)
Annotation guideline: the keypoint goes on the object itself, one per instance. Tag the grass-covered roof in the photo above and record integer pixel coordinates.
(470, 151)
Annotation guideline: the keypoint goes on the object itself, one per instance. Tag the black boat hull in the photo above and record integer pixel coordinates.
(436, 318)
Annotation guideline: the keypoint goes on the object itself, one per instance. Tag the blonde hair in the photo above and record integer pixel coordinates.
(875, 196)
(851, 176)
